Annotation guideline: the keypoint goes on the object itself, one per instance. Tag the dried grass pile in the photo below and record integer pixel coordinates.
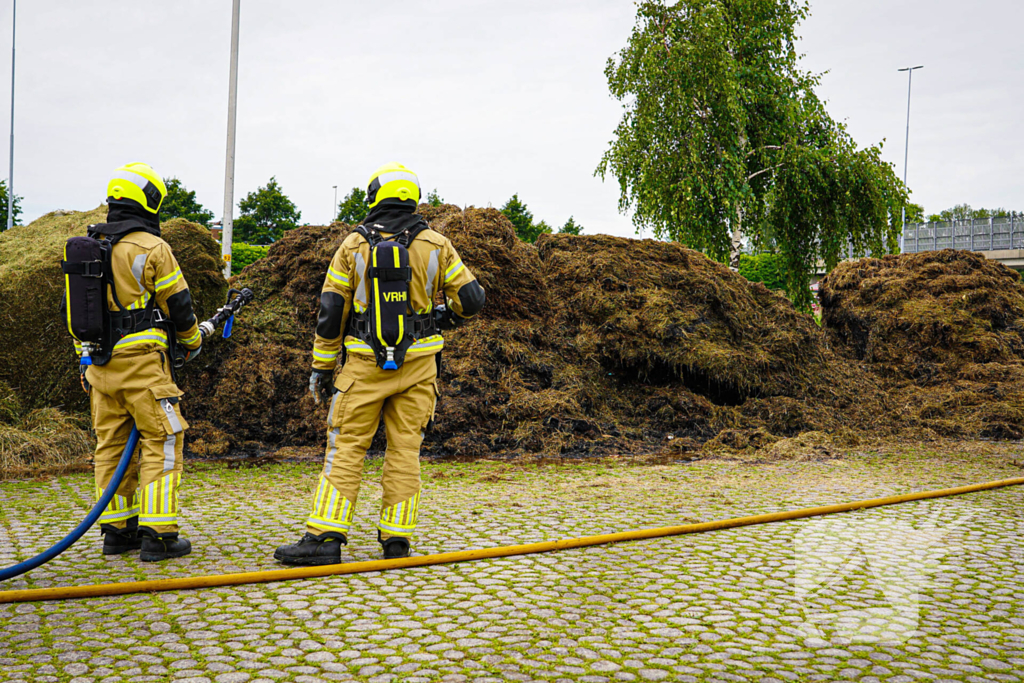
(247, 392)
(43, 441)
(588, 345)
(41, 417)
(252, 391)
(656, 311)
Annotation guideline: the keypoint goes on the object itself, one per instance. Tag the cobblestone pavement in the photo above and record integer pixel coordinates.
(923, 591)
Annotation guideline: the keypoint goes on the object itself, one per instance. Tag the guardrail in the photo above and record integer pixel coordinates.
(988, 234)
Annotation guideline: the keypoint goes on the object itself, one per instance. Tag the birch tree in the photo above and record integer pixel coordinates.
(723, 141)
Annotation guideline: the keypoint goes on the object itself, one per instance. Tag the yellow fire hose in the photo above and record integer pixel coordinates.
(74, 592)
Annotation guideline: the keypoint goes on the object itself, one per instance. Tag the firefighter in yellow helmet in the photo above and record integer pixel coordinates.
(151, 314)
(377, 312)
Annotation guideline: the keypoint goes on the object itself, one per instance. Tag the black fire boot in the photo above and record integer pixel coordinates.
(313, 550)
(157, 547)
(118, 541)
(394, 547)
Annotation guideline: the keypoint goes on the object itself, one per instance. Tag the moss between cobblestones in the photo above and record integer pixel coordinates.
(701, 606)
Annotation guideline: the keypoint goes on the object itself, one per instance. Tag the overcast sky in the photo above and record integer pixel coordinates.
(483, 98)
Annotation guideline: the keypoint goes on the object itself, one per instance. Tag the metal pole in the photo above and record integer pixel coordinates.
(906, 150)
(10, 173)
(229, 171)
(334, 211)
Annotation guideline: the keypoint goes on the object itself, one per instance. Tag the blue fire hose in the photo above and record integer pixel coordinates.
(225, 316)
(94, 514)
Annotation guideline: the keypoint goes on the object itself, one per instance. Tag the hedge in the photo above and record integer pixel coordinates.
(243, 254)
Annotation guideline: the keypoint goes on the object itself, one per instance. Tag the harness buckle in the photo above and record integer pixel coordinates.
(87, 269)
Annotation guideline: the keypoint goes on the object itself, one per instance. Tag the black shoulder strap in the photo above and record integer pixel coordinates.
(371, 235)
(108, 254)
(92, 232)
(406, 237)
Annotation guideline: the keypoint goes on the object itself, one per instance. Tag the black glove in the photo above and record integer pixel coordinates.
(446, 319)
(183, 355)
(320, 385)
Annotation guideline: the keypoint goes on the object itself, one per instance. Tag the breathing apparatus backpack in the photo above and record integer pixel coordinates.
(88, 272)
(389, 325)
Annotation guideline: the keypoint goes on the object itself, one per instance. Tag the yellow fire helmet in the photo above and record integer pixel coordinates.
(393, 181)
(137, 183)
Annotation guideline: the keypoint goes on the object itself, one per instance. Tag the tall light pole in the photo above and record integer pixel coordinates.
(334, 211)
(906, 151)
(10, 173)
(229, 171)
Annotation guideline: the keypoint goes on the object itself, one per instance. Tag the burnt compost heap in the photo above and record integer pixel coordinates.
(928, 314)
(943, 331)
(588, 345)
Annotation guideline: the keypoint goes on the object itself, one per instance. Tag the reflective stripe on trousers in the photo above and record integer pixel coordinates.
(331, 510)
(118, 510)
(400, 519)
(160, 501)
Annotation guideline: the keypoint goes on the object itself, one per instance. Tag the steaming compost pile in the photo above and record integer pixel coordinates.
(588, 345)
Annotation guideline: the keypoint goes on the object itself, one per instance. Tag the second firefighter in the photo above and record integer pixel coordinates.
(377, 310)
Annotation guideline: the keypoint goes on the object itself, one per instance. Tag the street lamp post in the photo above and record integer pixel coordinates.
(906, 150)
(227, 224)
(334, 211)
(10, 174)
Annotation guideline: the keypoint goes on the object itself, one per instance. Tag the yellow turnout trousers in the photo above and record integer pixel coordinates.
(139, 389)
(406, 397)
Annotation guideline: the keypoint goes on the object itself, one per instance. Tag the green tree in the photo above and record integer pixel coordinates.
(433, 198)
(915, 213)
(767, 269)
(265, 215)
(723, 140)
(352, 209)
(960, 212)
(522, 218)
(571, 227)
(3, 206)
(964, 212)
(181, 203)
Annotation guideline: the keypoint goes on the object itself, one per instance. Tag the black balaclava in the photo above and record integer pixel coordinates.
(125, 216)
(393, 215)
